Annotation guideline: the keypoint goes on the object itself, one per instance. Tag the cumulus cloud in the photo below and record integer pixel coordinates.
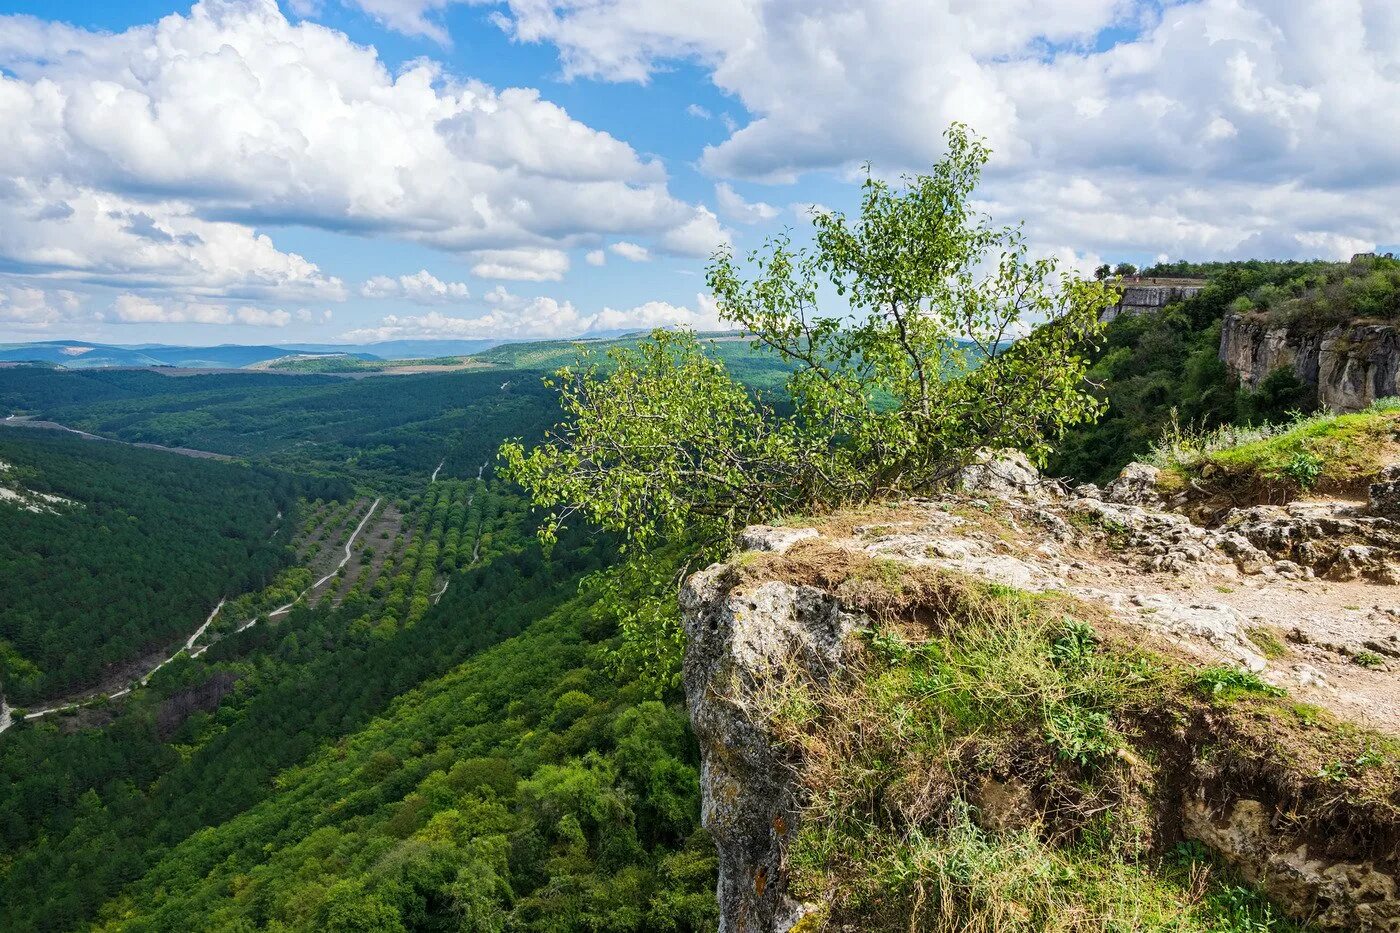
(24, 307)
(632, 252)
(700, 236)
(521, 265)
(514, 316)
(1209, 110)
(57, 230)
(131, 308)
(422, 287)
(733, 206)
(147, 158)
(595, 257)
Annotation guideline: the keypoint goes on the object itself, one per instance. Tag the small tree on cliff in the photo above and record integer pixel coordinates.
(890, 393)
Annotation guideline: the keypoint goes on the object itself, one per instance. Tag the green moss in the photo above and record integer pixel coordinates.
(1266, 640)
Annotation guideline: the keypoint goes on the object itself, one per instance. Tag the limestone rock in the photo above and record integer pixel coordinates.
(1002, 472)
(740, 645)
(768, 538)
(1351, 365)
(1335, 895)
(1136, 485)
(1385, 493)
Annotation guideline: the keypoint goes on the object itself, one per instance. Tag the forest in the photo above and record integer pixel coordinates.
(142, 549)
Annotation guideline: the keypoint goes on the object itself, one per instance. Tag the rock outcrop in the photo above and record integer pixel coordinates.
(1149, 295)
(1351, 365)
(1311, 574)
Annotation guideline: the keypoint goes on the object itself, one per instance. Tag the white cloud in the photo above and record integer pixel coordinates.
(700, 113)
(513, 316)
(1213, 108)
(632, 252)
(28, 308)
(699, 237)
(521, 265)
(129, 308)
(410, 17)
(56, 230)
(145, 158)
(595, 257)
(733, 206)
(421, 287)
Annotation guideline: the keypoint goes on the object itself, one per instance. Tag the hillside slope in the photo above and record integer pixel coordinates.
(527, 789)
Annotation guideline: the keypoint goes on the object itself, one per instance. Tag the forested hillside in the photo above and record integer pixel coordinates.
(1152, 368)
(386, 430)
(138, 547)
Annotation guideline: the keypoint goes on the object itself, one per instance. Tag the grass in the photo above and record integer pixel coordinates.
(965, 695)
(1266, 639)
(896, 832)
(1324, 452)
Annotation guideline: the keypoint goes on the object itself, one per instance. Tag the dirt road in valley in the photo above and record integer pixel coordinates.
(20, 421)
(6, 715)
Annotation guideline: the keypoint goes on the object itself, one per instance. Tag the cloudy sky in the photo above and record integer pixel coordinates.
(324, 170)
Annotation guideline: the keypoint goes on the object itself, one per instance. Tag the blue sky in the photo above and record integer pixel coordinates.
(323, 170)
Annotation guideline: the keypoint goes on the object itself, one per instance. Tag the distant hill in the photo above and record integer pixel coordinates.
(79, 354)
(402, 349)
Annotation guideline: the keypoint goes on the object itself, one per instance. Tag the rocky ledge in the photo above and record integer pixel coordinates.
(1302, 596)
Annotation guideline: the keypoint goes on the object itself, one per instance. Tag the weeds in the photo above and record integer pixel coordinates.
(1300, 453)
(1226, 683)
(1267, 641)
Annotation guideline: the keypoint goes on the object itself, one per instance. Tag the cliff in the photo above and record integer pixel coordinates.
(1351, 365)
(1148, 295)
(1019, 706)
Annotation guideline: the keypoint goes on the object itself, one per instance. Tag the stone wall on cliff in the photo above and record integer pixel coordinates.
(1351, 365)
(1147, 296)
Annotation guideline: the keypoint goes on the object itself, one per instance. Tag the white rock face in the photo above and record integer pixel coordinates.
(1351, 365)
(768, 538)
(738, 646)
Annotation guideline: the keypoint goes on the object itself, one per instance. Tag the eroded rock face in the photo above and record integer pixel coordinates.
(1334, 895)
(1148, 298)
(741, 645)
(1351, 366)
(1385, 494)
(1000, 472)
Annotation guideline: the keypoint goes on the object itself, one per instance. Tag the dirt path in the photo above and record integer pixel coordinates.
(6, 717)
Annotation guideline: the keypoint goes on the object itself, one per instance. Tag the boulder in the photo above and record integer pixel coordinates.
(1000, 473)
(1138, 484)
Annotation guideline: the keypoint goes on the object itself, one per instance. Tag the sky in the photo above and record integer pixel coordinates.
(244, 171)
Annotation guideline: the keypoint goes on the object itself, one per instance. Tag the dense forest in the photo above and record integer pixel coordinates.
(387, 431)
(137, 549)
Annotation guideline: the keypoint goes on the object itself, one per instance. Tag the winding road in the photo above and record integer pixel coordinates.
(24, 421)
(7, 719)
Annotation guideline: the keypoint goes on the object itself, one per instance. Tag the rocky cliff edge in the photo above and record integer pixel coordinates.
(1230, 687)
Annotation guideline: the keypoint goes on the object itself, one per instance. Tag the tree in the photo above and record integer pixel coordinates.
(889, 394)
(1125, 268)
(1103, 272)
